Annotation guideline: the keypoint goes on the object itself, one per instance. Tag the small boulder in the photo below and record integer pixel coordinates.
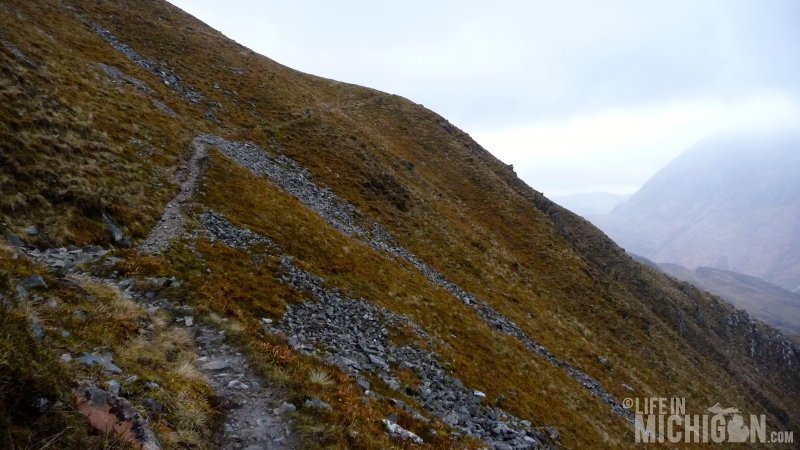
(153, 405)
(14, 240)
(217, 364)
(315, 403)
(378, 361)
(106, 361)
(111, 414)
(118, 236)
(400, 433)
(41, 404)
(113, 386)
(37, 330)
(236, 384)
(33, 282)
(32, 230)
(285, 408)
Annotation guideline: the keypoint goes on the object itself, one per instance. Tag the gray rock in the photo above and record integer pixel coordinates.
(106, 361)
(33, 282)
(285, 408)
(236, 384)
(396, 431)
(37, 330)
(32, 230)
(378, 361)
(153, 405)
(363, 383)
(14, 240)
(41, 404)
(315, 403)
(231, 235)
(170, 79)
(118, 236)
(66, 357)
(218, 364)
(113, 386)
(357, 333)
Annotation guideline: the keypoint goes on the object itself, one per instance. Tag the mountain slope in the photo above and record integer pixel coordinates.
(729, 202)
(358, 249)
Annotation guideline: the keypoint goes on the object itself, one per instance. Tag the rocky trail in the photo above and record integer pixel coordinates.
(255, 413)
(172, 221)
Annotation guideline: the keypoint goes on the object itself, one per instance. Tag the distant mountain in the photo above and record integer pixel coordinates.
(730, 202)
(589, 204)
(764, 301)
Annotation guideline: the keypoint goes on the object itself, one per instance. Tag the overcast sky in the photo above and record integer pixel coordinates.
(580, 96)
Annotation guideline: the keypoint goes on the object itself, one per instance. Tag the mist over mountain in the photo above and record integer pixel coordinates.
(588, 204)
(203, 248)
(730, 202)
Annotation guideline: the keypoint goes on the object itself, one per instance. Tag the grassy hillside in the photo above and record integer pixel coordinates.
(79, 142)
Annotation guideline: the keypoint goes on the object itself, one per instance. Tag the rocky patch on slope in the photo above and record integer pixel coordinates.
(355, 335)
(169, 78)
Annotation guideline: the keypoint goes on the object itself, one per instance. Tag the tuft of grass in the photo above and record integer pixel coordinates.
(320, 377)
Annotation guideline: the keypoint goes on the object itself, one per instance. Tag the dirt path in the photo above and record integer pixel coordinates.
(172, 220)
(255, 416)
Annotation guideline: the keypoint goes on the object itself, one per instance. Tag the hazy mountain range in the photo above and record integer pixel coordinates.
(730, 202)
